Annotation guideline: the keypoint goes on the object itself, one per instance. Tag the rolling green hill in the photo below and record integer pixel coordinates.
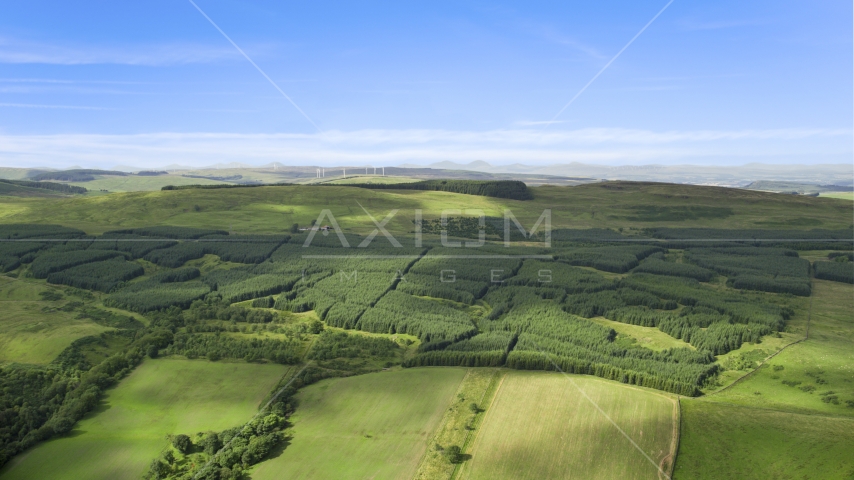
(274, 209)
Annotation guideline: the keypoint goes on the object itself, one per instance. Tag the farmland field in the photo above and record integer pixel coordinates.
(121, 437)
(540, 426)
(729, 441)
(374, 426)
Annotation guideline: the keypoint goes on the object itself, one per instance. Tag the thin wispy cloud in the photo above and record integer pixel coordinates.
(390, 147)
(534, 123)
(61, 107)
(694, 24)
(22, 52)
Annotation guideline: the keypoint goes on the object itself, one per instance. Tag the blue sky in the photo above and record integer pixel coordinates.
(99, 84)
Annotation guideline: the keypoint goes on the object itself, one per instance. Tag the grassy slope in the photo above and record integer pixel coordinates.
(373, 426)
(761, 428)
(842, 195)
(830, 349)
(274, 209)
(160, 397)
(727, 441)
(133, 183)
(540, 427)
(31, 330)
(649, 337)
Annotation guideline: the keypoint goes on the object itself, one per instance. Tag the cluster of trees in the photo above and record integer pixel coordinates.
(673, 269)
(215, 309)
(17, 231)
(176, 255)
(102, 276)
(54, 187)
(443, 286)
(429, 320)
(136, 246)
(740, 308)
(618, 259)
(332, 345)
(841, 256)
(177, 233)
(177, 275)
(217, 346)
(494, 270)
(12, 254)
(221, 185)
(538, 273)
(836, 271)
(794, 286)
(599, 303)
(534, 360)
(149, 295)
(816, 239)
(763, 269)
(459, 227)
(54, 260)
(256, 286)
(76, 175)
(29, 396)
(512, 189)
(231, 249)
(483, 350)
(340, 297)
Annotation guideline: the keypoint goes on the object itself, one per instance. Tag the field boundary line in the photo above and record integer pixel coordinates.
(769, 357)
(245, 425)
(461, 466)
(445, 419)
(677, 437)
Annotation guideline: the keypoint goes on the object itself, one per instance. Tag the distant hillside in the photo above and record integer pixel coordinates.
(77, 175)
(795, 187)
(24, 188)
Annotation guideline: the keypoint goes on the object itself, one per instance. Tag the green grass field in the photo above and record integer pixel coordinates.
(825, 361)
(134, 183)
(158, 398)
(32, 330)
(721, 441)
(539, 426)
(373, 426)
(649, 337)
(275, 209)
(841, 195)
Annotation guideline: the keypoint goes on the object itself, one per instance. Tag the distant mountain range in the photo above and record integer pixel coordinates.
(570, 173)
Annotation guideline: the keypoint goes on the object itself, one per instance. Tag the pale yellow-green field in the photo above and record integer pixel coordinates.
(649, 337)
(541, 427)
